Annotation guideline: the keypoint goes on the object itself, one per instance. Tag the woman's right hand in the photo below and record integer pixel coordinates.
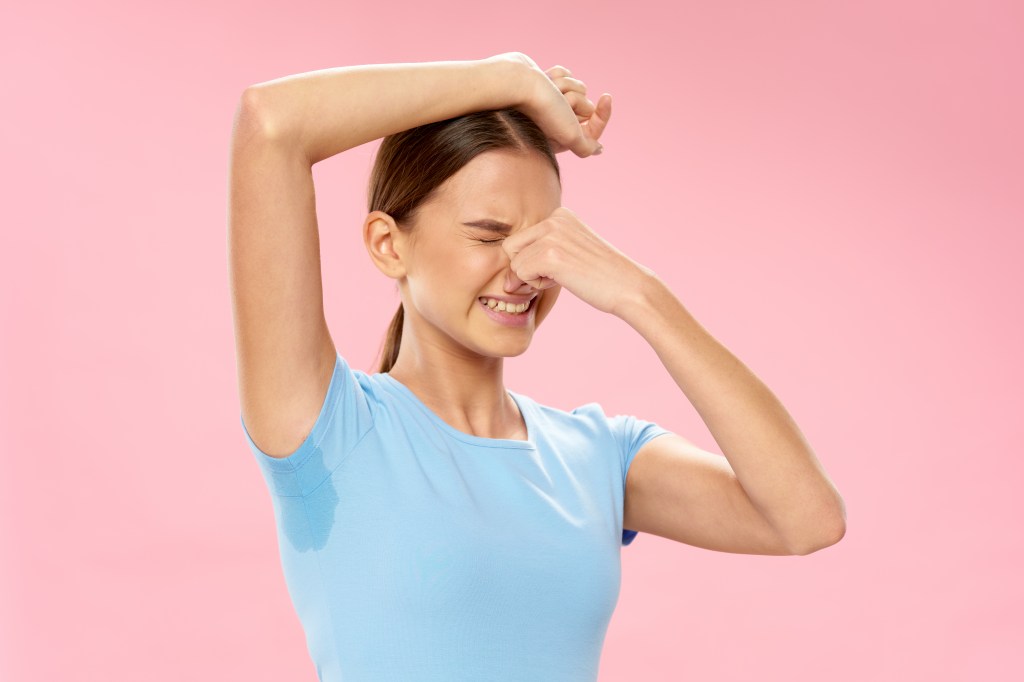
(557, 102)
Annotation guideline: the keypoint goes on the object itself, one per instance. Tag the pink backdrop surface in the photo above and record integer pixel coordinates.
(832, 189)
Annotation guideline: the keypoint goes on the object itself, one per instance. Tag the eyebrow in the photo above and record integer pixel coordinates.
(492, 225)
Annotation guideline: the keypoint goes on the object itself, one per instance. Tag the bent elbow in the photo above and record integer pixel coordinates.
(823, 541)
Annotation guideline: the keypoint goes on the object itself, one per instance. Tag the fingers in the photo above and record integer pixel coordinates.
(574, 89)
(557, 71)
(593, 127)
(601, 114)
(562, 77)
(567, 83)
(575, 92)
(593, 117)
(582, 106)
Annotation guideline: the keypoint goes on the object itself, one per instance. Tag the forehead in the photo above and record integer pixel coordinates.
(514, 184)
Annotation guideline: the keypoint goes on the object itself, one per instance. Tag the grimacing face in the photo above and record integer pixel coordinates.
(444, 266)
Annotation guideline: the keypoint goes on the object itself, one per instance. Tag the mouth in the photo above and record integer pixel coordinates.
(506, 308)
(509, 318)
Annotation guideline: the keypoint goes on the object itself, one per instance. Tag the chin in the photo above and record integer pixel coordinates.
(522, 349)
(493, 348)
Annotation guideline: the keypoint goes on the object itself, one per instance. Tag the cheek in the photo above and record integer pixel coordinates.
(467, 257)
(484, 258)
(448, 279)
(437, 265)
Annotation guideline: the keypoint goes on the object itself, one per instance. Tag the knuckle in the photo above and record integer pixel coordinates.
(580, 85)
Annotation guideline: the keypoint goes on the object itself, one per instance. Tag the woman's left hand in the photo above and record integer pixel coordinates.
(561, 250)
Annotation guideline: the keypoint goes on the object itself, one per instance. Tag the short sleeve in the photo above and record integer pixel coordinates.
(345, 417)
(632, 433)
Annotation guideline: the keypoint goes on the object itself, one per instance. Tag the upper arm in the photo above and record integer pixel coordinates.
(285, 355)
(678, 491)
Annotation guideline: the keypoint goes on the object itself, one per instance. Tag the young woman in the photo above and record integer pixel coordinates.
(432, 524)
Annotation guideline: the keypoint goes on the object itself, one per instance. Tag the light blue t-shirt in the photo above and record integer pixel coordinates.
(415, 552)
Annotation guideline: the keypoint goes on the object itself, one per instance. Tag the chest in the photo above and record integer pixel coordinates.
(421, 531)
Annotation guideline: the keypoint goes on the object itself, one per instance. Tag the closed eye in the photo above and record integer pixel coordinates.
(489, 241)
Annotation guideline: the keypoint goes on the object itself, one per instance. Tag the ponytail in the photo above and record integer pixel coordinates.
(393, 341)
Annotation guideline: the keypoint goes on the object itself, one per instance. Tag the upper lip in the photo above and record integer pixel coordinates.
(512, 299)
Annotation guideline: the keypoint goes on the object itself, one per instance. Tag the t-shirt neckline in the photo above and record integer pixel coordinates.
(506, 443)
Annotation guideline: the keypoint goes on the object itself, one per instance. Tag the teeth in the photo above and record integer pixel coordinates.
(512, 308)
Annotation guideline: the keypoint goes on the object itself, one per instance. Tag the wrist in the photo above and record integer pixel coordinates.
(514, 77)
(642, 297)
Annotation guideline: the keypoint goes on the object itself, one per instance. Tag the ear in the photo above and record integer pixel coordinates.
(385, 243)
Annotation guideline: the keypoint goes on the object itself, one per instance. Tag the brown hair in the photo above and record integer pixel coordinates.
(412, 164)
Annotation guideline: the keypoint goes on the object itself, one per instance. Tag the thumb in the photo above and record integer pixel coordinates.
(585, 146)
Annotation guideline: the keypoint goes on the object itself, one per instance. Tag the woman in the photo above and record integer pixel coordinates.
(432, 524)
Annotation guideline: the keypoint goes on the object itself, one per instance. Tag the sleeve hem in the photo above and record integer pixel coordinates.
(295, 460)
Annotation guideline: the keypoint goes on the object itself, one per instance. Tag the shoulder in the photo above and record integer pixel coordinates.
(626, 432)
(588, 418)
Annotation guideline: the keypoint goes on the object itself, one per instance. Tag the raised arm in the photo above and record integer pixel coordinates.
(326, 112)
(285, 353)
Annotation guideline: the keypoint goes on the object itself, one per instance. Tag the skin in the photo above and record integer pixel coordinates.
(452, 354)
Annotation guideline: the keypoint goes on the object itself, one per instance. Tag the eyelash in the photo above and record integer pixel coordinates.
(489, 241)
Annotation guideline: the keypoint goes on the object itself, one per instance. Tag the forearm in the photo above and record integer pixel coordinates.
(772, 460)
(329, 111)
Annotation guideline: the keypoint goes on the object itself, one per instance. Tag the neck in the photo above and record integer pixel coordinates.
(469, 396)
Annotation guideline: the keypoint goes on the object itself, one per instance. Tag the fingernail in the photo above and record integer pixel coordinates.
(600, 148)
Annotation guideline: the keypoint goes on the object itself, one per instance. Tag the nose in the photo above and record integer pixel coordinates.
(514, 285)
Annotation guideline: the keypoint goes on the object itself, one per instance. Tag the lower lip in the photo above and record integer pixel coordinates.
(509, 319)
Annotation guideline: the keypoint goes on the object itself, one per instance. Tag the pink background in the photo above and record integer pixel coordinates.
(832, 189)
